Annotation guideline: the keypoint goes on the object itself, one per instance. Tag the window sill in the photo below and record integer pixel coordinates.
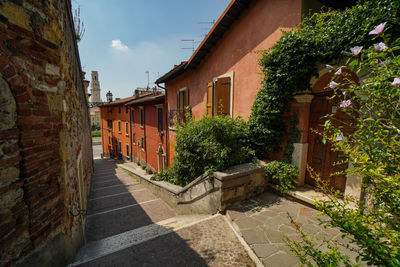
(142, 126)
(173, 129)
(120, 132)
(126, 134)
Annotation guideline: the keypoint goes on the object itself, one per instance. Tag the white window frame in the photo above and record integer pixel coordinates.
(230, 75)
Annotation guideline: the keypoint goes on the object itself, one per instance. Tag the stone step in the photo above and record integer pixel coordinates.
(96, 249)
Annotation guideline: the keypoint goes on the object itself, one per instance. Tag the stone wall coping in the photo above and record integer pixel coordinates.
(238, 170)
(231, 173)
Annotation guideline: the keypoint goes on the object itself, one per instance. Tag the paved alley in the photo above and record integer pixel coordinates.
(126, 225)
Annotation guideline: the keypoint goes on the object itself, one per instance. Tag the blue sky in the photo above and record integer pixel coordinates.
(125, 38)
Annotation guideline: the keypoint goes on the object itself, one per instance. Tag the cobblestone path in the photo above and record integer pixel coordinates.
(126, 225)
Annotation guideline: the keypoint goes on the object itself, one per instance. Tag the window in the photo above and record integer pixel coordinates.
(141, 116)
(116, 145)
(126, 128)
(119, 126)
(109, 140)
(119, 109)
(183, 99)
(109, 124)
(160, 121)
(133, 138)
(219, 96)
(120, 147)
(127, 149)
(126, 110)
(142, 143)
(132, 117)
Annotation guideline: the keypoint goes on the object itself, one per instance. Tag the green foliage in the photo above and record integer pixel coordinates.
(207, 145)
(307, 248)
(96, 133)
(284, 175)
(290, 64)
(373, 151)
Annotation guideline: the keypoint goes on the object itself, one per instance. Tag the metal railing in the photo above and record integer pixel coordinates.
(176, 117)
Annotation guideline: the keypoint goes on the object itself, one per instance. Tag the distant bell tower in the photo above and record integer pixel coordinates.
(95, 88)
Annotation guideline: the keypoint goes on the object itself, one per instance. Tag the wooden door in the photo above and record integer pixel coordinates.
(321, 158)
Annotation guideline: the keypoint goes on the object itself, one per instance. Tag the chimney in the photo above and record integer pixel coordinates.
(137, 93)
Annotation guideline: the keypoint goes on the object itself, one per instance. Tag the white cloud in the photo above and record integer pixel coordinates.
(118, 45)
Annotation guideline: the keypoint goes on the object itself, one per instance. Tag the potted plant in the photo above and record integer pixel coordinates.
(149, 170)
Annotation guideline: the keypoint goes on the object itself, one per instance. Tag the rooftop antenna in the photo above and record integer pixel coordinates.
(188, 40)
(148, 82)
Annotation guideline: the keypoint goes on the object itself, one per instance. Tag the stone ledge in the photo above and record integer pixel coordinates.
(209, 193)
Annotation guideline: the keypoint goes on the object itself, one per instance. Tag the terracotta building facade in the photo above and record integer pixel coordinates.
(223, 76)
(45, 145)
(133, 129)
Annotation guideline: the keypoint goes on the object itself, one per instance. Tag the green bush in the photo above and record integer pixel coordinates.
(284, 175)
(96, 133)
(207, 145)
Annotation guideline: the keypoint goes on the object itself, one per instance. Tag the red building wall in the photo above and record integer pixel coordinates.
(258, 28)
(149, 131)
(119, 113)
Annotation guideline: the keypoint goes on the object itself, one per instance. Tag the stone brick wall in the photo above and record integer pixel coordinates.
(45, 146)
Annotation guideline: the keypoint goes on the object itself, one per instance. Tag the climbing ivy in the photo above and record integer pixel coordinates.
(290, 64)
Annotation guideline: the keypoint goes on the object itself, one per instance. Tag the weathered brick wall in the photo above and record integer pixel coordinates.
(45, 145)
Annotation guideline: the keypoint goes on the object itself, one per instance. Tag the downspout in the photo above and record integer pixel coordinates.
(130, 132)
(166, 124)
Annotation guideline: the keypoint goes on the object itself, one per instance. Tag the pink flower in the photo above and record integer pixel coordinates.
(380, 47)
(356, 50)
(333, 85)
(345, 103)
(338, 72)
(378, 29)
(396, 82)
(329, 67)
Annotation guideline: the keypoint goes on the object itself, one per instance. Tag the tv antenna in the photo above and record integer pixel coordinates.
(148, 82)
(189, 40)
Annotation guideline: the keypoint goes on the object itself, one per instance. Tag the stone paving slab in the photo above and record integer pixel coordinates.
(112, 190)
(264, 224)
(208, 243)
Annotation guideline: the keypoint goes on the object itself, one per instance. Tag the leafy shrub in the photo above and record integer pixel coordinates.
(207, 145)
(283, 174)
(96, 133)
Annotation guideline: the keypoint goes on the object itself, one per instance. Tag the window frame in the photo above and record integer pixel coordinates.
(143, 143)
(142, 116)
(127, 128)
(119, 126)
(160, 119)
(215, 105)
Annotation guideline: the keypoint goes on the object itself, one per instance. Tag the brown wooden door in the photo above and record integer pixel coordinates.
(321, 158)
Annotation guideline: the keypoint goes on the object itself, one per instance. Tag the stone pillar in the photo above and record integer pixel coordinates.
(299, 156)
(353, 185)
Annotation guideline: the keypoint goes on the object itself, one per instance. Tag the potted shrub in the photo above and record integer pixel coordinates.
(149, 170)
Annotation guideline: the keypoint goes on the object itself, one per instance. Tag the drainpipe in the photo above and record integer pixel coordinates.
(166, 124)
(130, 133)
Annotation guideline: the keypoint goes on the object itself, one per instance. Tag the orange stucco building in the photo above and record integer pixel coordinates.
(133, 129)
(223, 77)
(224, 70)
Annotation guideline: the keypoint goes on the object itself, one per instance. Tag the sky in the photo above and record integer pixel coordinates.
(125, 38)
